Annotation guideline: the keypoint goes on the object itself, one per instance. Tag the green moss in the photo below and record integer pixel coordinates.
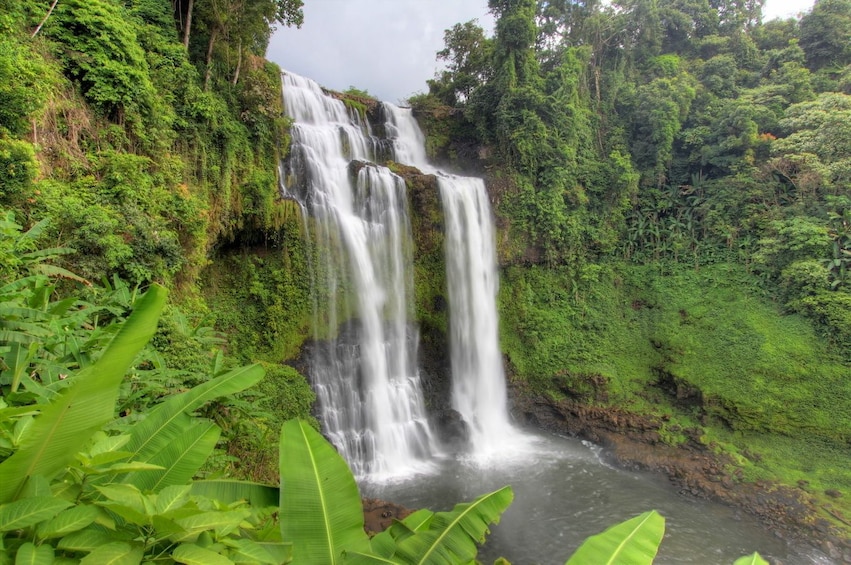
(261, 296)
(429, 259)
(357, 106)
(557, 327)
(755, 368)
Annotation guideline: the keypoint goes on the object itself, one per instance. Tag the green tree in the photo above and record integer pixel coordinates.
(816, 152)
(467, 54)
(826, 34)
(659, 109)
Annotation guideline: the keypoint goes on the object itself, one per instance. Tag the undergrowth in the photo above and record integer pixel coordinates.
(698, 350)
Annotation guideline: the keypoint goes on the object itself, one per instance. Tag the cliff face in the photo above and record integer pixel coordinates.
(431, 305)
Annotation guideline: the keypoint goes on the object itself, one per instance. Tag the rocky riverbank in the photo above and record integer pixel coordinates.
(633, 441)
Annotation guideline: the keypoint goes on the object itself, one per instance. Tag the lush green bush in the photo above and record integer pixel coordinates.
(24, 85)
(18, 168)
(101, 52)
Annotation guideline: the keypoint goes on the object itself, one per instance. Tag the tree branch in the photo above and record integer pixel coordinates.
(50, 11)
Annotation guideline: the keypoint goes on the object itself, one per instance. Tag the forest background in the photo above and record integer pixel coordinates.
(671, 182)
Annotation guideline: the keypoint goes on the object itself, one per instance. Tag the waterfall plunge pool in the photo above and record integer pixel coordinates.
(564, 492)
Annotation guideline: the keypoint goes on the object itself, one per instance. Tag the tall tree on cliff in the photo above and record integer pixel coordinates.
(248, 23)
(467, 53)
(826, 34)
(515, 67)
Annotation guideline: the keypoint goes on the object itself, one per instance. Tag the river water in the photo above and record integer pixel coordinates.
(565, 492)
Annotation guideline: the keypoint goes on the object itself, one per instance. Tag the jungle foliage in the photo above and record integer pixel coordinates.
(143, 152)
(672, 179)
(662, 130)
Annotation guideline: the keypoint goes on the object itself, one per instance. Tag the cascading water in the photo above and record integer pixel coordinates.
(366, 378)
(478, 380)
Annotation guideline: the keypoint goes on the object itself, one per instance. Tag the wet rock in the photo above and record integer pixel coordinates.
(452, 431)
(378, 514)
(832, 550)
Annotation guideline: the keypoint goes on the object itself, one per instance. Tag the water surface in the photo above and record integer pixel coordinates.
(564, 492)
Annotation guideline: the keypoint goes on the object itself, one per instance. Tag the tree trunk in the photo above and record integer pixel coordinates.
(188, 28)
(209, 72)
(238, 63)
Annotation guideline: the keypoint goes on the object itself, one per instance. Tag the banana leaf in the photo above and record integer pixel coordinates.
(635, 541)
(163, 437)
(321, 508)
(184, 455)
(229, 491)
(166, 421)
(452, 537)
(64, 425)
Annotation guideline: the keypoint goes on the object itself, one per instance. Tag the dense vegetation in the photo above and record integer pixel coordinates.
(137, 141)
(673, 182)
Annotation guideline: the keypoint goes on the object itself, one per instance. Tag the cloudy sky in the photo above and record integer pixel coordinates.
(388, 47)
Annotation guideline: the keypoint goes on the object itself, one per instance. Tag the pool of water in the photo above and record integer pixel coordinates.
(565, 492)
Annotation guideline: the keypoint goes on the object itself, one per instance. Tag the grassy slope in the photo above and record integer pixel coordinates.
(704, 350)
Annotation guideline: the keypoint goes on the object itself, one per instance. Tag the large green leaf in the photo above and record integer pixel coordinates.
(384, 543)
(153, 439)
(635, 541)
(18, 360)
(222, 521)
(70, 520)
(356, 558)
(191, 554)
(87, 539)
(321, 508)
(85, 406)
(229, 490)
(171, 498)
(249, 551)
(30, 554)
(180, 458)
(127, 495)
(29, 511)
(753, 559)
(114, 553)
(452, 537)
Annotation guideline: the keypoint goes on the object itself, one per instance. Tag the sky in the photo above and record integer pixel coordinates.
(388, 47)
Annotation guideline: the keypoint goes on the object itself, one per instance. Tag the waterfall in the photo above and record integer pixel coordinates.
(478, 380)
(364, 373)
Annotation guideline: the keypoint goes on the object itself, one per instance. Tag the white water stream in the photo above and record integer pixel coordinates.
(478, 380)
(366, 380)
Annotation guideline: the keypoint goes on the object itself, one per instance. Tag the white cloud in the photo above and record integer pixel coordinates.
(388, 47)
